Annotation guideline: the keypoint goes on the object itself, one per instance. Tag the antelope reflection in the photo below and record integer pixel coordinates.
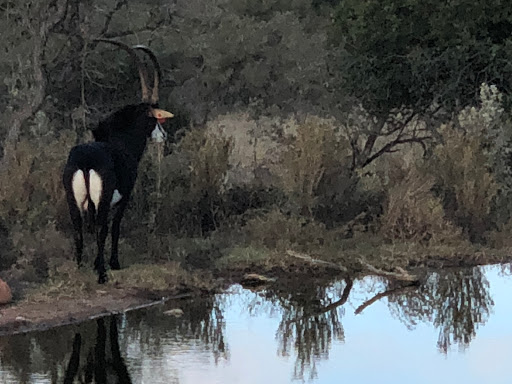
(102, 365)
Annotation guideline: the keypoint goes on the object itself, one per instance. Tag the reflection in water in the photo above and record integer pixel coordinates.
(145, 346)
(310, 321)
(97, 351)
(100, 367)
(454, 302)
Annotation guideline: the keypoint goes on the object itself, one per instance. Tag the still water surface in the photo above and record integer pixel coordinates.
(455, 328)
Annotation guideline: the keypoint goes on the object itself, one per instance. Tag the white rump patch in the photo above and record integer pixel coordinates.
(95, 187)
(116, 198)
(79, 190)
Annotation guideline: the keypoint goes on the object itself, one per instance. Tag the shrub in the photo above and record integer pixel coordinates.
(463, 179)
(182, 191)
(31, 191)
(315, 149)
(275, 230)
(412, 212)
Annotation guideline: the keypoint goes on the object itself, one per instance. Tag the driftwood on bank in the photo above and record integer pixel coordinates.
(309, 259)
(400, 274)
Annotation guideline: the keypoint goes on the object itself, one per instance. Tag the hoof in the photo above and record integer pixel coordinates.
(115, 266)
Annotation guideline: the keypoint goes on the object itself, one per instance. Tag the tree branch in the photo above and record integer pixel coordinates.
(110, 15)
(338, 303)
(389, 146)
(381, 295)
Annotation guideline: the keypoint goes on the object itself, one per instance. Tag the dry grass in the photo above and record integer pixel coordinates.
(314, 149)
(67, 281)
(243, 256)
(412, 213)
(277, 231)
(208, 156)
(460, 166)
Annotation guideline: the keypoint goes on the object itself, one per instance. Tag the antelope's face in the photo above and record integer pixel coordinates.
(158, 133)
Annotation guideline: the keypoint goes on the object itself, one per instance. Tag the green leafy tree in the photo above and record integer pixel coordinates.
(404, 53)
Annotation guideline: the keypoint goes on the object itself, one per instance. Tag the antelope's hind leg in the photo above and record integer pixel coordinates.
(76, 218)
(76, 198)
(116, 224)
(101, 194)
(101, 236)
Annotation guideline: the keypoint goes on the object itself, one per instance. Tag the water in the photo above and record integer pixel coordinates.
(453, 329)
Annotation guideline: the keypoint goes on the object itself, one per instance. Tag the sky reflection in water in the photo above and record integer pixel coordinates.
(453, 329)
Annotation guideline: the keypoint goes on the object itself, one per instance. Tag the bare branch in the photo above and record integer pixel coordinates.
(330, 307)
(110, 15)
(381, 295)
(389, 147)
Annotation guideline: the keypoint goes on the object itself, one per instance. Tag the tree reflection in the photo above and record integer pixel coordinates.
(455, 302)
(310, 321)
(202, 320)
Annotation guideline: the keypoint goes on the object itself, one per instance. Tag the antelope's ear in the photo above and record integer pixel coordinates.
(161, 114)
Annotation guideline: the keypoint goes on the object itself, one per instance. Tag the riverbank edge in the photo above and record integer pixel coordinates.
(29, 315)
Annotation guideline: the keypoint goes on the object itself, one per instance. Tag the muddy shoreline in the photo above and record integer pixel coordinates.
(26, 317)
(23, 316)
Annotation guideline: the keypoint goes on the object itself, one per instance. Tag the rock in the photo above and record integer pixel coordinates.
(5, 293)
(176, 312)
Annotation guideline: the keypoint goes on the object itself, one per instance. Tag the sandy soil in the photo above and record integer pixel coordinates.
(26, 316)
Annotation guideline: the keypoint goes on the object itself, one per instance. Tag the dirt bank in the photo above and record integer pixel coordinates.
(72, 296)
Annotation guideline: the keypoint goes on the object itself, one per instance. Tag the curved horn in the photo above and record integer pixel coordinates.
(142, 72)
(157, 71)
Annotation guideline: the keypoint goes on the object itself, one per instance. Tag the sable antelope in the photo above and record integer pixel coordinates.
(101, 175)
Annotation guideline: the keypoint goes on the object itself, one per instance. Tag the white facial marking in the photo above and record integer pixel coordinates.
(158, 134)
(95, 187)
(79, 190)
(116, 198)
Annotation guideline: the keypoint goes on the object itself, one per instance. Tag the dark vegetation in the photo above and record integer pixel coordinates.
(348, 130)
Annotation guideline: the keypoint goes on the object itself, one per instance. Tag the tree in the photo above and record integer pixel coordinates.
(24, 39)
(405, 53)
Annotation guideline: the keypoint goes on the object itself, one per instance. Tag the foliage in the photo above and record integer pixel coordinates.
(187, 185)
(276, 230)
(462, 164)
(282, 139)
(313, 150)
(412, 212)
(405, 53)
(31, 191)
